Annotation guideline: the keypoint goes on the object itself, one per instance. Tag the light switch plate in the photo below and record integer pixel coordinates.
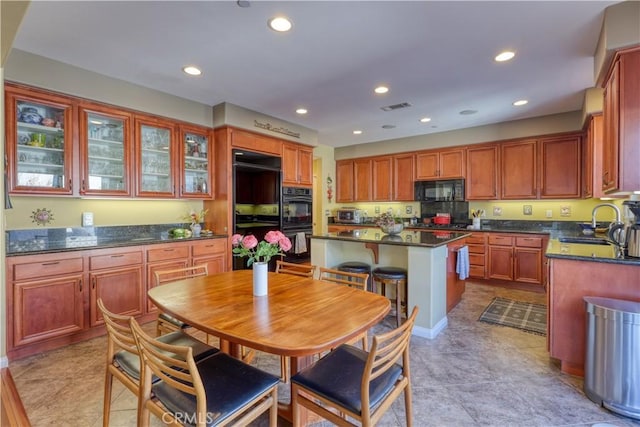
(549, 213)
(408, 209)
(497, 211)
(565, 210)
(527, 209)
(87, 219)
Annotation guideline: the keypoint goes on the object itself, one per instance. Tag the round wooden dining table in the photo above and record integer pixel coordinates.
(299, 317)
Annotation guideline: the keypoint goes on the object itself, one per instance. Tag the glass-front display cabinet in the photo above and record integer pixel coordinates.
(105, 141)
(155, 154)
(38, 142)
(196, 163)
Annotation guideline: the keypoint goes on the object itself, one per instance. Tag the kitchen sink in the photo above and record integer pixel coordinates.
(585, 240)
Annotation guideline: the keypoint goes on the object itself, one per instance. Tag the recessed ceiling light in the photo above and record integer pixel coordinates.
(520, 102)
(381, 89)
(280, 24)
(191, 70)
(301, 111)
(468, 112)
(425, 119)
(505, 56)
(357, 132)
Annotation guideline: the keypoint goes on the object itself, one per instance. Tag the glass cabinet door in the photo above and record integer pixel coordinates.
(156, 154)
(38, 145)
(105, 143)
(196, 164)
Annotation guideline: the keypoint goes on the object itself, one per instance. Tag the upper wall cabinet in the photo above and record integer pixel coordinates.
(344, 181)
(592, 158)
(621, 143)
(518, 167)
(39, 142)
(362, 180)
(442, 164)
(382, 176)
(297, 165)
(196, 162)
(105, 151)
(482, 172)
(255, 142)
(155, 158)
(560, 167)
(403, 177)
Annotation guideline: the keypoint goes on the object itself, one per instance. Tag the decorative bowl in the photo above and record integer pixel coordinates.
(392, 229)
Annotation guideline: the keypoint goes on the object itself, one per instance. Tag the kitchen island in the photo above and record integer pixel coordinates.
(423, 253)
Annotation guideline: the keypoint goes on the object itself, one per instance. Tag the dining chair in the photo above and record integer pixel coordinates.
(353, 280)
(168, 323)
(123, 361)
(218, 390)
(355, 383)
(302, 270)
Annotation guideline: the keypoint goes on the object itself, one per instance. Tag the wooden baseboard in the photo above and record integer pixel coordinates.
(11, 408)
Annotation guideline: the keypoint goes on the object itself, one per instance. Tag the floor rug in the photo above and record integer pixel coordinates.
(525, 316)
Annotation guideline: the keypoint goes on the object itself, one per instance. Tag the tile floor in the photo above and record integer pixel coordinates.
(472, 374)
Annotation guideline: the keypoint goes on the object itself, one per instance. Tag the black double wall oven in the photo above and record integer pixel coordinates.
(297, 222)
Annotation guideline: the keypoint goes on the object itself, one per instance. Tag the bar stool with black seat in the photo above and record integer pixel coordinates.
(123, 360)
(396, 277)
(357, 267)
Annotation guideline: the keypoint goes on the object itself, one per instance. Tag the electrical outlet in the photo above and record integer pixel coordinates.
(327, 212)
(527, 209)
(87, 219)
(565, 210)
(408, 209)
(549, 213)
(377, 209)
(497, 211)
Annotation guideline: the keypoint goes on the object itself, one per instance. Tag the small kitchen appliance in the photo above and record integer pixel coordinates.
(349, 216)
(633, 231)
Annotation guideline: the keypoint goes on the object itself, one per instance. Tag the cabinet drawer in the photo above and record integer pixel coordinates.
(529, 242)
(476, 249)
(47, 269)
(476, 271)
(501, 240)
(161, 254)
(209, 247)
(98, 262)
(475, 239)
(476, 259)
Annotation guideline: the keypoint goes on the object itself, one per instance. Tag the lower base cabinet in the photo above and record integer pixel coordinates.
(516, 258)
(52, 298)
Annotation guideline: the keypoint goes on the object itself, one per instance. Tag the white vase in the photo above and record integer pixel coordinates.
(196, 229)
(260, 278)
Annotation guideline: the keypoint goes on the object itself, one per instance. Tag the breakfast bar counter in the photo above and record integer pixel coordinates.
(423, 253)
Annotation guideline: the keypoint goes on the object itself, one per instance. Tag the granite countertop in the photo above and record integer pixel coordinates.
(587, 252)
(432, 238)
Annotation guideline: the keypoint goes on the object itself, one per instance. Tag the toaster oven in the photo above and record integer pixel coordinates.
(348, 216)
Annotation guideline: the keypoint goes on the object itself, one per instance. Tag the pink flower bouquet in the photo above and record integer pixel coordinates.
(274, 243)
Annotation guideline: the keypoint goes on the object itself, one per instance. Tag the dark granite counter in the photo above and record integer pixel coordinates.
(587, 252)
(432, 238)
(42, 241)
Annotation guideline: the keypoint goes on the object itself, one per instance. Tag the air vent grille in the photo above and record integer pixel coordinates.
(396, 106)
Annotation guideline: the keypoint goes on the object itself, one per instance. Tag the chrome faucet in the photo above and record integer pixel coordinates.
(595, 209)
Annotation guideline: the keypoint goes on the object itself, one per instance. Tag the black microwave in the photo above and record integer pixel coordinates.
(439, 191)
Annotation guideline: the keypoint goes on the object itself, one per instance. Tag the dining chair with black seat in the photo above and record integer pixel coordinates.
(218, 390)
(302, 270)
(353, 280)
(358, 384)
(168, 323)
(123, 360)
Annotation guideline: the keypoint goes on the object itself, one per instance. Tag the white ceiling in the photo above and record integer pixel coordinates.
(437, 56)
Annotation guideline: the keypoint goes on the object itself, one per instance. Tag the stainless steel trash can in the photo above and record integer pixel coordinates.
(612, 360)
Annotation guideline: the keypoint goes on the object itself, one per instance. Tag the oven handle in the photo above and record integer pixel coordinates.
(302, 199)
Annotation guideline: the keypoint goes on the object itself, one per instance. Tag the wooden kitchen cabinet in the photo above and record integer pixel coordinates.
(116, 276)
(39, 141)
(344, 181)
(156, 157)
(297, 165)
(516, 258)
(213, 253)
(166, 256)
(621, 140)
(106, 151)
(441, 164)
(403, 177)
(592, 158)
(477, 244)
(196, 162)
(482, 180)
(255, 142)
(519, 170)
(382, 178)
(362, 180)
(45, 295)
(560, 167)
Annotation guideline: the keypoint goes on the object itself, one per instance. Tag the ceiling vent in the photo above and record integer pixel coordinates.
(396, 106)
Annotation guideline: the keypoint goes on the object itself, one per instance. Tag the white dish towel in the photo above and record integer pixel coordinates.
(462, 263)
(301, 243)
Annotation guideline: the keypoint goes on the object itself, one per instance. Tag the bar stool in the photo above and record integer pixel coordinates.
(397, 277)
(357, 267)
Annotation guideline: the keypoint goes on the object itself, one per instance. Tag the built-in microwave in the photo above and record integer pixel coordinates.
(439, 191)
